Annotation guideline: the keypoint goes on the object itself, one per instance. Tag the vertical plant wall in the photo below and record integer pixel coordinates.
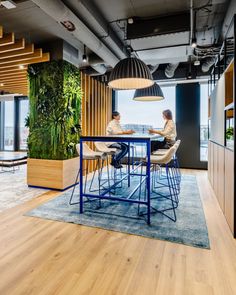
(55, 110)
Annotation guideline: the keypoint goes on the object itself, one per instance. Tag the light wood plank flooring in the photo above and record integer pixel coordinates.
(46, 257)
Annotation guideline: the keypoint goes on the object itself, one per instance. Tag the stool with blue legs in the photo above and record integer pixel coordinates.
(172, 194)
(89, 155)
(102, 147)
(177, 172)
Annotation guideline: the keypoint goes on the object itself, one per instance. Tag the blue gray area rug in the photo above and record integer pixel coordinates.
(189, 229)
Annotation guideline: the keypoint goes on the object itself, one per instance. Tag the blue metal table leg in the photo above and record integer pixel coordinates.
(81, 176)
(148, 182)
(129, 164)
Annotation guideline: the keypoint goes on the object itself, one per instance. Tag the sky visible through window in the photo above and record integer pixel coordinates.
(147, 113)
(150, 113)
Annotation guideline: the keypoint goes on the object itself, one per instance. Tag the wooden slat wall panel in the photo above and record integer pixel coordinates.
(96, 108)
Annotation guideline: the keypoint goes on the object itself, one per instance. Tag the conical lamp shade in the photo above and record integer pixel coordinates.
(130, 73)
(153, 93)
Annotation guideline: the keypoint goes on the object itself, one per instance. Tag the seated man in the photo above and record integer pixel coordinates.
(114, 128)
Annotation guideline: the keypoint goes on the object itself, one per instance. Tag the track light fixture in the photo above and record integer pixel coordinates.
(85, 58)
(194, 42)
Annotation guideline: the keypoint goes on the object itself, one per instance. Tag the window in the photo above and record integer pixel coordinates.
(8, 142)
(147, 114)
(204, 122)
(23, 131)
(13, 133)
(141, 116)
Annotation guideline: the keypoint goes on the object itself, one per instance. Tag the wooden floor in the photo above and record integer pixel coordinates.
(46, 257)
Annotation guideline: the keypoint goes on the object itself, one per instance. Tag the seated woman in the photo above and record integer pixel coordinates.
(169, 133)
(114, 128)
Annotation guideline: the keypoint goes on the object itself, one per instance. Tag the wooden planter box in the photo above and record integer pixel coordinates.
(54, 174)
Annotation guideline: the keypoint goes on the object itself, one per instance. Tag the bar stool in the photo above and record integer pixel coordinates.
(89, 155)
(175, 168)
(103, 148)
(162, 152)
(166, 161)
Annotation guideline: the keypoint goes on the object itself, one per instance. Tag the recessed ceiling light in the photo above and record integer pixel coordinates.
(1, 84)
(21, 67)
(197, 63)
(9, 4)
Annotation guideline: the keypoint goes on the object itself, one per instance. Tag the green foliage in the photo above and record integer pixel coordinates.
(55, 110)
(229, 133)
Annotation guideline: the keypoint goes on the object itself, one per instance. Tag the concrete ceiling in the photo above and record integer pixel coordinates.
(29, 21)
(208, 21)
(36, 25)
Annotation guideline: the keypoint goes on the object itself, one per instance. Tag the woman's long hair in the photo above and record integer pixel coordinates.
(167, 114)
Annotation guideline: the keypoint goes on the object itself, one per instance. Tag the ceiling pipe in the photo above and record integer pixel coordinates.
(208, 63)
(170, 70)
(227, 20)
(153, 68)
(97, 64)
(90, 15)
(62, 14)
(99, 68)
(191, 22)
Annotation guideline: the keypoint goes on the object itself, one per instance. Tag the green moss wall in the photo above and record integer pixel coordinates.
(55, 110)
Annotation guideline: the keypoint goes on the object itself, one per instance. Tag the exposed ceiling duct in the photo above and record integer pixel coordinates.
(208, 63)
(99, 68)
(227, 20)
(91, 16)
(153, 68)
(97, 64)
(170, 70)
(63, 15)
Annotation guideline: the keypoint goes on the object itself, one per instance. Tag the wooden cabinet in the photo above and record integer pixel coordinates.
(229, 188)
(221, 177)
(215, 168)
(210, 161)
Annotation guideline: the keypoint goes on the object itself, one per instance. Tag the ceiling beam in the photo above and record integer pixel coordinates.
(1, 31)
(15, 83)
(20, 91)
(14, 90)
(21, 58)
(19, 44)
(7, 39)
(4, 67)
(13, 74)
(16, 78)
(29, 49)
(12, 69)
(13, 87)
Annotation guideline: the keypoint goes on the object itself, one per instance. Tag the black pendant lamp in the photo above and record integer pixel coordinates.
(130, 73)
(153, 93)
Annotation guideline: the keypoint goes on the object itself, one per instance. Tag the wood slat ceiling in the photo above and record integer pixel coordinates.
(15, 56)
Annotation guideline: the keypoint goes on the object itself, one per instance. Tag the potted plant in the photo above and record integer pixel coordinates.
(54, 124)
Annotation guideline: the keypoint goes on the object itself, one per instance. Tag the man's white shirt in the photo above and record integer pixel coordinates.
(114, 127)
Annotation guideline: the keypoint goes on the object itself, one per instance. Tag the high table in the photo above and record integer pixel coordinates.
(135, 138)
